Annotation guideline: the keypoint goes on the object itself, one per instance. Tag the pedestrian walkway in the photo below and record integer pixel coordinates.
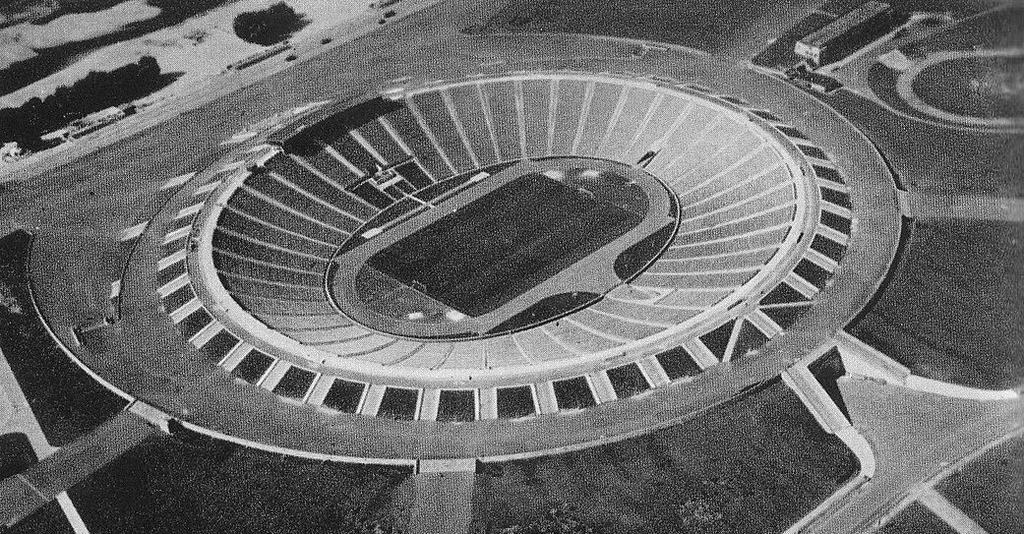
(16, 417)
(26, 492)
(443, 497)
(913, 435)
(949, 513)
(975, 207)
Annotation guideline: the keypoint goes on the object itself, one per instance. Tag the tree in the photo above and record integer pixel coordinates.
(269, 26)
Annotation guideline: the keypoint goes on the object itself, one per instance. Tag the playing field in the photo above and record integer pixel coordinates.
(973, 86)
(504, 243)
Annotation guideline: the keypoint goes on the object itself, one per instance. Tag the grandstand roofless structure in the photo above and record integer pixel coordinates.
(503, 246)
(520, 256)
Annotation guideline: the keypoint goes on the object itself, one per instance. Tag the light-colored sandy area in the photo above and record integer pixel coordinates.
(6, 409)
(21, 41)
(183, 96)
(197, 48)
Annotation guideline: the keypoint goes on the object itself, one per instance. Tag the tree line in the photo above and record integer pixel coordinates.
(96, 91)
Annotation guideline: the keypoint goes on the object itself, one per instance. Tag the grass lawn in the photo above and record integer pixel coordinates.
(734, 28)
(952, 309)
(998, 28)
(975, 87)
(942, 160)
(49, 519)
(989, 488)
(916, 519)
(197, 485)
(756, 464)
(67, 402)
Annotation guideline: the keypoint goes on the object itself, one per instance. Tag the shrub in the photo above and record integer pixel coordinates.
(565, 519)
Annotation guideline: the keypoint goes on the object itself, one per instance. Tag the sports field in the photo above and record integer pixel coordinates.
(986, 87)
(504, 243)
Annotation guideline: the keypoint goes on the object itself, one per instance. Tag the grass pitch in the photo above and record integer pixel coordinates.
(503, 244)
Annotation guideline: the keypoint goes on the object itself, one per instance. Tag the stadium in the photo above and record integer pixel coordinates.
(481, 278)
